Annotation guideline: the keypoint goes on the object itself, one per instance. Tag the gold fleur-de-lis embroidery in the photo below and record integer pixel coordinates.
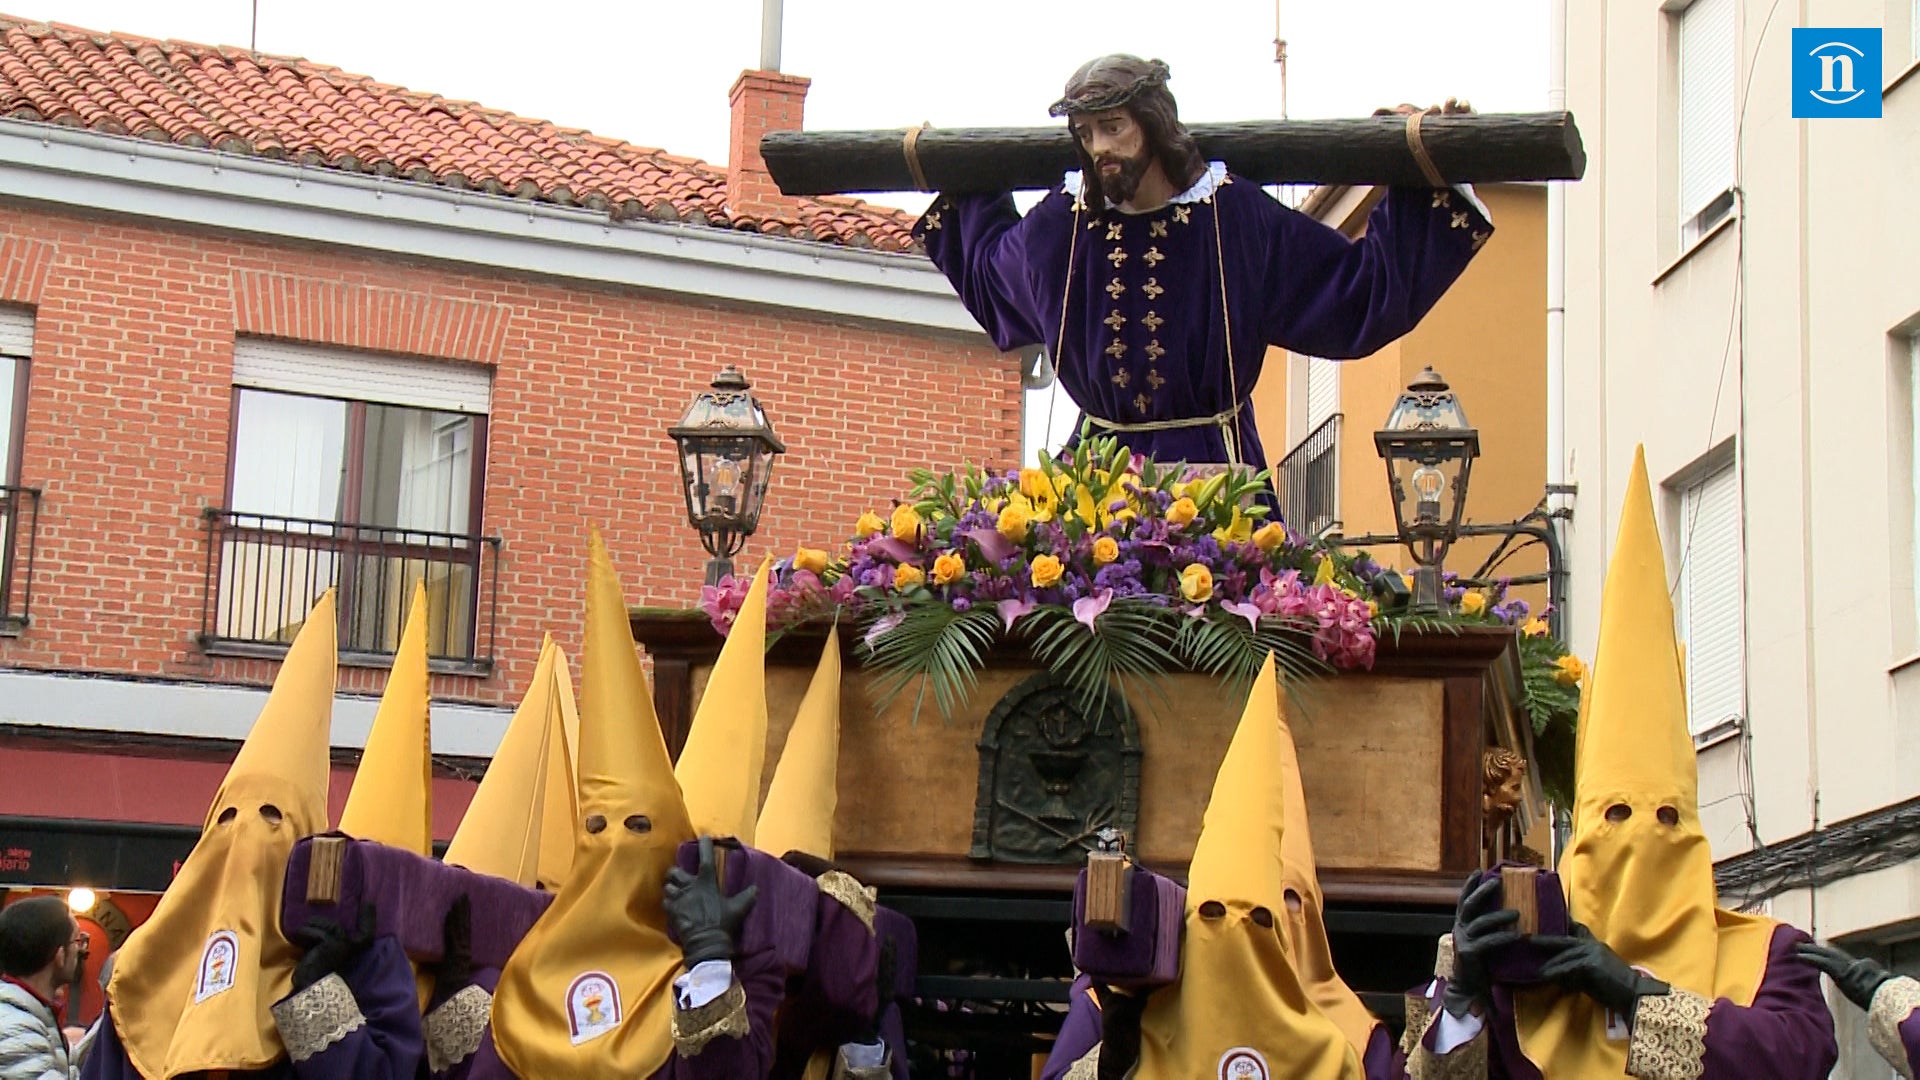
(1154, 351)
(1153, 257)
(1118, 349)
(1442, 198)
(1182, 214)
(933, 221)
(1115, 321)
(1115, 288)
(1113, 230)
(1460, 219)
(1156, 228)
(1121, 379)
(1152, 322)
(1480, 239)
(1154, 380)
(1141, 401)
(1116, 257)
(1153, 289)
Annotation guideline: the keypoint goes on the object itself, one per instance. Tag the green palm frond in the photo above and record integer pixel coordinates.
(1228, 647)
(1133, 640)
(941, 648)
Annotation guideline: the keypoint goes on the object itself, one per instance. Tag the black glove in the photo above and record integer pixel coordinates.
(1585, 963)
(330, 946)
(1119, 1031)
(455, 968)
(704, 920)
(1856, 978)
(1480, 928)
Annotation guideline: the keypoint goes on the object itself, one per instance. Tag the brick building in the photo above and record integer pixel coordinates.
(265, 325)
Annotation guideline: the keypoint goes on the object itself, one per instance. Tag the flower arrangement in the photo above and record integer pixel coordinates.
(1112, 569)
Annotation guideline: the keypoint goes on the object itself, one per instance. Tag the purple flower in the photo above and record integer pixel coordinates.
(961, 603)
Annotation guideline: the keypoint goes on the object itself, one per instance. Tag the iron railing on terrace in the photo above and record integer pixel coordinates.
(1310, 481)
(19, 535)
(265, 573)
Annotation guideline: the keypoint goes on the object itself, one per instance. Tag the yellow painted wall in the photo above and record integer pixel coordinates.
(1487, 336)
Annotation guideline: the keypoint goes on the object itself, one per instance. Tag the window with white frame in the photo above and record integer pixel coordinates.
(1708, 115)
(353, 471)
(1709, 608)
(1323, 391)
(19, 507)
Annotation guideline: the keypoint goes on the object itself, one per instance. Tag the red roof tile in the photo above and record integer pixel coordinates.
(240, 102)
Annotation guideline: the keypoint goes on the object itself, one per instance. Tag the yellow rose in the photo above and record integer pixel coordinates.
(906, 523)
(1270, 536)
(812, 559)
(1182, 511)
(948, 569)
(1105, 550)
(1570, 670)
(1473, 603)
(1373, 609)
(869, 524)
(1196, 583)
(906, 576)
(1535, 628)
(1013, 524)
(1047, 571)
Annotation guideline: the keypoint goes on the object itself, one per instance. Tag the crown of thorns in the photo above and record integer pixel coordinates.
(1092, 100)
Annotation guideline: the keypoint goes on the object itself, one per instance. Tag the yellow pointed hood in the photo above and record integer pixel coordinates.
(391, 801)
(1239, 1002)
(726, 752)
(588, 992)
(560, 830)
(1641, 885)
(500, 834)
(191, 987)
(798, 814)
(1304, 917)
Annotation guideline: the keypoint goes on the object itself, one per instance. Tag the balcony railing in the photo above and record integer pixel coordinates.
(265, 573)
(1310, 481)
(19, 534)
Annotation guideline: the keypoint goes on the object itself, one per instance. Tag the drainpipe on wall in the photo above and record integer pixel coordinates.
(1559, 497)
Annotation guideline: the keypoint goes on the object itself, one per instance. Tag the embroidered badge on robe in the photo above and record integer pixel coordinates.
(593, 1006)
(218, 962)
(1244, 1063)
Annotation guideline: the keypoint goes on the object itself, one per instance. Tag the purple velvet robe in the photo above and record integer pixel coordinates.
(836, 998)
(1148, 334)
(388, 1046)
(1910, 1041)
(1786, 1034)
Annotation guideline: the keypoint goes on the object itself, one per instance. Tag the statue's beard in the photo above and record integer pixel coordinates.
(1120, 187)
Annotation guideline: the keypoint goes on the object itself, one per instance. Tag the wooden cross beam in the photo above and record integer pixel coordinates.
(1469, 148)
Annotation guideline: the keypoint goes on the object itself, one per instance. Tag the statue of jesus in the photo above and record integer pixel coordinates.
(1158, 279)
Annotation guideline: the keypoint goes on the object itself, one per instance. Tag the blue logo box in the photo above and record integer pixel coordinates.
(1836, 72)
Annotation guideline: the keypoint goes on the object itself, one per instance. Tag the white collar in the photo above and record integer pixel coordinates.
(1215, 175)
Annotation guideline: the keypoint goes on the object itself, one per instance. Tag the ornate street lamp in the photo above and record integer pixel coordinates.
(1429, 450)
(727, 448)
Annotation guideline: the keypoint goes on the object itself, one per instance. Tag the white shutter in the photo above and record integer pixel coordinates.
(1711, 612)
(1708, 104)
(1323, 391)
(340, 373)
(16, 333)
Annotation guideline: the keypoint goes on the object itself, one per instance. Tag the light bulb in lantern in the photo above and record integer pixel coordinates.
(1428, 482)
(81, 900)
(726, 485)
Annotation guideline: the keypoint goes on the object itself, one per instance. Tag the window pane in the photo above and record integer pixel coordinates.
(417, 472)
(1712, 619)
(289, 455)
(1708, 104)
(9, 380)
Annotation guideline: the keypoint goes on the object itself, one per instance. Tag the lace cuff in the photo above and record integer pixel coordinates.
(852, 895)
(1893, 1002)
(1419, 1015)
(1087, 1068)
(1443, 958)
(724, 1016)
(317, 1017)
(453, 1030)
(843, 1069)
(1669, 1036)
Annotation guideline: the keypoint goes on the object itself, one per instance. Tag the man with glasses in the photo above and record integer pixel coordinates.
(41, 948)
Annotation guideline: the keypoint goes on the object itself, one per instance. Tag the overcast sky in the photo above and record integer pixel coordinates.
(656, 73)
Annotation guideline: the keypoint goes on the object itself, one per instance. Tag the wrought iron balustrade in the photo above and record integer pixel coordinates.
(19, 534)
(265, 572)
(1310, 481)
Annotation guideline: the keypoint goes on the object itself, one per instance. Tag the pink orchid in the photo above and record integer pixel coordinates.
(1088, 608)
